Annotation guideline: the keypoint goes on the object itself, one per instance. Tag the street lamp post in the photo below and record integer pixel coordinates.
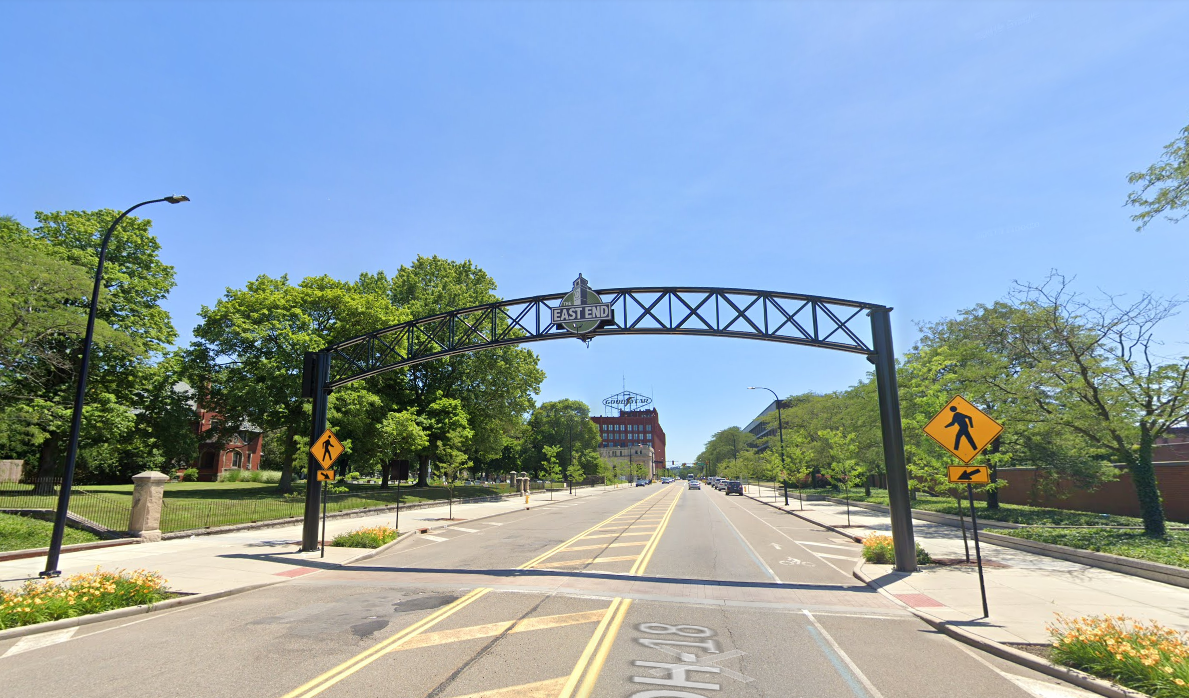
(51, 562)
(780, 429)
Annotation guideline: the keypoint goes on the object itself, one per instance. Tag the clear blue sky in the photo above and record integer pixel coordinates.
(917, 155)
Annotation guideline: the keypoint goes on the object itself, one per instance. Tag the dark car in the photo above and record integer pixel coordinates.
(640, 483)
(734, 487)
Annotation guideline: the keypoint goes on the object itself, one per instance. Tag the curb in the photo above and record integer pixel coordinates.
(76, 547)
(38, 628)
(1153, 571)
(1072, 676)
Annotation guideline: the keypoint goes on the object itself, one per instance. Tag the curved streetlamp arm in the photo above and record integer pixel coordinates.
(780, 430)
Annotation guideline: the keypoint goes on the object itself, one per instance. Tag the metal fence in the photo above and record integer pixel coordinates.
(103, 513)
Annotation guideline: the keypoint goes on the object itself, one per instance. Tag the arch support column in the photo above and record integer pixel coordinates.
(890, 426)
(314, 378)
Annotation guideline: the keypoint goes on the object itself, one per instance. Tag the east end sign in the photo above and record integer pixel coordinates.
(582, 311)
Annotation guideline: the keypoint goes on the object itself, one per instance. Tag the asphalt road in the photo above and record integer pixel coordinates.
(656, 592)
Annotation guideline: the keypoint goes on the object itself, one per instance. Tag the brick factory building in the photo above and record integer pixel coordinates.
(633, 428)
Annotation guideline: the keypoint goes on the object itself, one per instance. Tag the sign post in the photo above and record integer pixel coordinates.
(326, 450)
(972, 432)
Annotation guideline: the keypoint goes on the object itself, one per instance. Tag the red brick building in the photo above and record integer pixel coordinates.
(242, 451)
(631, 428)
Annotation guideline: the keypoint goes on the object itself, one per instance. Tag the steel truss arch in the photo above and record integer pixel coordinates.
(773, 316)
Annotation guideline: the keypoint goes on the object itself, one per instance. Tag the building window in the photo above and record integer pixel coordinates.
(648, 428)
(236, 459)
(250, 459)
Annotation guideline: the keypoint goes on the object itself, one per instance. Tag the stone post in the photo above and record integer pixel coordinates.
(148, 494)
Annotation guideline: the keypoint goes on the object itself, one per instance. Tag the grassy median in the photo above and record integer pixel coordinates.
(1172, 549)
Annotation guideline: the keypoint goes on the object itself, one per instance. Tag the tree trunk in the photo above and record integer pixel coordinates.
(1143, 475)
(286, 483)
(867, 485)
(385, 473)
(422, 471)
(47, 465)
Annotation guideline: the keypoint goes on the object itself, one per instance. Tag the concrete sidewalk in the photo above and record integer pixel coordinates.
(218, 562)
(1024, 590)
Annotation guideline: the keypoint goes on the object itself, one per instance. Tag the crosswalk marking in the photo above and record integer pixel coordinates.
(464, 530)
(436, 539)
(33, 642)
(837, 557)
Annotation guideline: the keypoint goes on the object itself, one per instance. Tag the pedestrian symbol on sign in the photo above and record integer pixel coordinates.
(326, 449)
(963, 429)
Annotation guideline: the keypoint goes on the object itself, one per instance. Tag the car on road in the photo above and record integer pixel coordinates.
(695, 485)
(734, 487)
(640, 483)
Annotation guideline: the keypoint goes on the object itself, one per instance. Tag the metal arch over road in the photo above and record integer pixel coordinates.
(770, 316)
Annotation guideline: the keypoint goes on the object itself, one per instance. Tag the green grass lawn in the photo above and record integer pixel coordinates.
(1173, 549)
(1009, 513)
(191, 505)
(23, 532)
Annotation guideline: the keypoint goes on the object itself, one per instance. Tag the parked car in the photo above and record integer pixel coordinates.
(640, 483)
(695, 485)
(734, 487)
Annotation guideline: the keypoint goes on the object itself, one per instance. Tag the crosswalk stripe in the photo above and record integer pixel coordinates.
(436, 539)
(33, 642)
(837, 557)
(824, 545)
(464, 530)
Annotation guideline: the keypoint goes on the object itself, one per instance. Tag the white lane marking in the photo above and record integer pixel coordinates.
(775, 545)
(754, 555)
(844, 657)
(436, 539)
(840, 571)
(33, 642)
(825, 545)
(837, 557)
(489, 523)
(464, 530)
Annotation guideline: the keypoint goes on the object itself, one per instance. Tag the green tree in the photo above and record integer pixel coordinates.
(496, 386)
(399, 435)
(248, 350)
(550, 467)
(1169, 177)
(1093, 367)
(844, 465)
(562, 423)
(725, 445)
(48, 271)
(448, 434)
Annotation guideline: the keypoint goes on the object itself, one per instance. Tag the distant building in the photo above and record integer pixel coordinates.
(633, 429)
(624, 457)
(763, 425)
(242, 451)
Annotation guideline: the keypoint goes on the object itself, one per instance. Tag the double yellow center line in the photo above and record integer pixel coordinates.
(324, 681)
(590, 664)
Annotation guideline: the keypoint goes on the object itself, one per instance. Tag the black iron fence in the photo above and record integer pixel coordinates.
(100, 511)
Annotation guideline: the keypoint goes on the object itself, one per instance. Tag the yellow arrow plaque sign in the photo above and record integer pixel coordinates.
(327, 449)
(969, 474)
(326, 475)
(963, 429)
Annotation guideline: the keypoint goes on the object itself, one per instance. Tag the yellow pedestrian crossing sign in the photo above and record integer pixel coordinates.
(963, 429)
(327, 449)
(326, 475)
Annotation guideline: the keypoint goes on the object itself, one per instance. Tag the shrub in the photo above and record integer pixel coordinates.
(353, 475)
(1148, 658)
(230, 476)
(82, 594)
(337, 490)
(270, 476)
(880, 550)
(189, 475)
(372, 537)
